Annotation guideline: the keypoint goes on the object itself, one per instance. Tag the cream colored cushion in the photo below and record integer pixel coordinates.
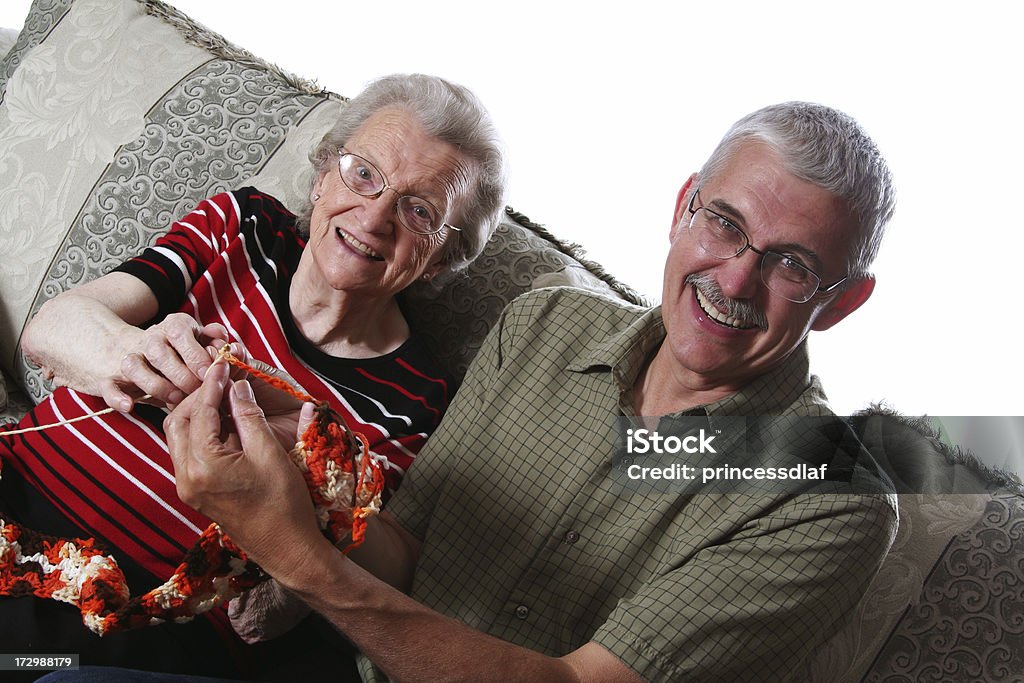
(114, 121)
(8, 36)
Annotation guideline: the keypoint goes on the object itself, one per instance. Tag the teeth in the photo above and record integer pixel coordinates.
(359, 246)
(717, 315)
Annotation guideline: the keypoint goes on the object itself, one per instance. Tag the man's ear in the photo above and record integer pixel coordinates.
(846, 302)
(682, 201)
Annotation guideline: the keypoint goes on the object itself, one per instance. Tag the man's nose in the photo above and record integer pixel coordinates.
(740, 276)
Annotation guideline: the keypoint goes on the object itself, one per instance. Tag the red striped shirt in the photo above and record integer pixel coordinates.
(229, 261)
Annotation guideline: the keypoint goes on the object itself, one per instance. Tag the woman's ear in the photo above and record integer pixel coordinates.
(845, 302)
(317, 190)
(432, 271)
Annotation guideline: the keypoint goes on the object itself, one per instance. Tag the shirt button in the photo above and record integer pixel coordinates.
(571, 537)
(522, 612)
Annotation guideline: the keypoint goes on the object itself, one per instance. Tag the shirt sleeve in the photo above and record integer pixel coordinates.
(178, 258)
(754, 607)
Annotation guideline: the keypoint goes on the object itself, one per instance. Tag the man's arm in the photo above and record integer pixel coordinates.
(410, 642)
(389, 551)
(245, 482)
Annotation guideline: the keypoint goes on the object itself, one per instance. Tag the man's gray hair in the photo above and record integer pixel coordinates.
(452, 114)
(829, 149)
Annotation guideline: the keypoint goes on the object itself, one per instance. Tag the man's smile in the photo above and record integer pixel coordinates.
(730, 313)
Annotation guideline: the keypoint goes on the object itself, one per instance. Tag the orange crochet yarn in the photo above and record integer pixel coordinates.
(345, 483)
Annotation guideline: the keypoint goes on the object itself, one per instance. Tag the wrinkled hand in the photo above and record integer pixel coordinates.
(166, 361)
(234, 470)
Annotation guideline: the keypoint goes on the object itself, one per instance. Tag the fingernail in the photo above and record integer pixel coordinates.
(244, 391)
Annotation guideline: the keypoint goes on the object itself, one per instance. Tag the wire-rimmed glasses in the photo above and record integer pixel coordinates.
(366, 180)
(782, 274)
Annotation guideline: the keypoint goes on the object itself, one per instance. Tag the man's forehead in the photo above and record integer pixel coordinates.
(777, 209)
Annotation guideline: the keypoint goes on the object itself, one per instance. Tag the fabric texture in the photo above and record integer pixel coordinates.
(529, 535)
(8, 36)
(230, 261)
(120, 116)
(948, 602)
(113, 123)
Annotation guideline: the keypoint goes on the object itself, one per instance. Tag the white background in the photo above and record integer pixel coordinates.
(580, 87)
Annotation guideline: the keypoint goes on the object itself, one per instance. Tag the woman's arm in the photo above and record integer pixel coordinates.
(88, 339)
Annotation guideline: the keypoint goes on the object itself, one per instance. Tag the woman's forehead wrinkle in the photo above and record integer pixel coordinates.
(442, 180)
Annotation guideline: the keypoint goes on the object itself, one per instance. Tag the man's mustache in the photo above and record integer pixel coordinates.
(742, 310)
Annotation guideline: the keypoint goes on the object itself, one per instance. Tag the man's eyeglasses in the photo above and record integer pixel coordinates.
(366, 180)
(782, 274)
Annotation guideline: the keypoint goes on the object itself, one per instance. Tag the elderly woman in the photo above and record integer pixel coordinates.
(406, 187)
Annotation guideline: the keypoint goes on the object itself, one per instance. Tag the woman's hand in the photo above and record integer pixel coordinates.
(89, 339)
(166, 361)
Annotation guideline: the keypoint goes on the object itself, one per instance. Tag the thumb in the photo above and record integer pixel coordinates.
(253, 430)
(306, 416)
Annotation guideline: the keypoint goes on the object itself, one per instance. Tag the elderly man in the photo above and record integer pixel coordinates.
(524, 555)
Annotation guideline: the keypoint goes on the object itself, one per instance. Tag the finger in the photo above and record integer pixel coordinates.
(182, 357)
(253, 431)
(117, 399)
(209, 399)
(213, 334)
(306, 415)
(136, 369)
(176, 432)
(235, 371)
(193, 435)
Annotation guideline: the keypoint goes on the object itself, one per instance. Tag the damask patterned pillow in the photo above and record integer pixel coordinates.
(116, 117)
(948, 602)
(521, 255)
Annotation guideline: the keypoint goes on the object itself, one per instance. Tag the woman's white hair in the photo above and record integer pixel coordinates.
(452, 114)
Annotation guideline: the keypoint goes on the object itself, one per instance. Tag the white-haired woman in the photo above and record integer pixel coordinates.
(407, 186)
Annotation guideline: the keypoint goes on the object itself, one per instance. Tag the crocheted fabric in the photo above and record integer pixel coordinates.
(344, 481)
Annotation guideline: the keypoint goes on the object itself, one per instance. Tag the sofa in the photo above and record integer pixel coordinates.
(104, 142)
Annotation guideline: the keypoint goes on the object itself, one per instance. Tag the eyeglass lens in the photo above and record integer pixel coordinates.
(780, 273)
(363, 178)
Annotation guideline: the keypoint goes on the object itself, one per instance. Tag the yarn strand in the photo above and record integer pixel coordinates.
(331, 458)
(88, 416)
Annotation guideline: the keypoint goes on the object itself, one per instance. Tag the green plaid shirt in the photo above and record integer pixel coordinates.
(528, 537)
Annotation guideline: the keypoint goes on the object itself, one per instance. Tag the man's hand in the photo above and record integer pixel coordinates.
(287, 416)
(230, 466)
(235, 471)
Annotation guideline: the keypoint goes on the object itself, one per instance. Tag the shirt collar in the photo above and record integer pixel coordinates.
(775, 393)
